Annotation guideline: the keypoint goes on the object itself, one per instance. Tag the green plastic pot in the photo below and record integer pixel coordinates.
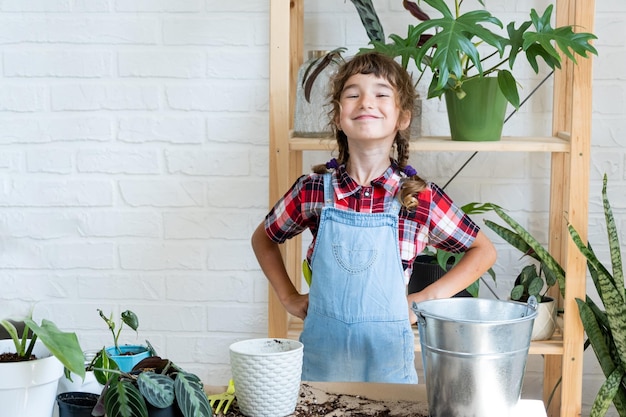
(479, 116)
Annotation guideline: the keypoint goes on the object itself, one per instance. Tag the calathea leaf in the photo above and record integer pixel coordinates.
(157, 389)
(190, 396)
(123, 399)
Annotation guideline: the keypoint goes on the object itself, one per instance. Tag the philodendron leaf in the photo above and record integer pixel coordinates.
(190, 396)
(130, 319)
(123, 399)
(101, 365)
(157, 389)
(63, 345)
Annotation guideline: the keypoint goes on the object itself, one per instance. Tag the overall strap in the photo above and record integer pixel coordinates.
(329, 192)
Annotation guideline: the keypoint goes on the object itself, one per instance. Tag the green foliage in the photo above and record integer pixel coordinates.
(63, 345)
(127, 317)
(157, 389)
(157, 382)
(606, 330)
(448, 45)
(369, 19)
(190, 396)
(447, 259)
(123, 399)
(531, 281)
(102, 365)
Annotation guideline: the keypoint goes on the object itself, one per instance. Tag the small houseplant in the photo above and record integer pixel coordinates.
(32, 369)
(532, 281)
(606, 329)
(465, 49)
(126, 356)
(445, 260)
(155, 386)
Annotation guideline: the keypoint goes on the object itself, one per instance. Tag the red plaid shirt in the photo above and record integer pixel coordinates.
(436, 221)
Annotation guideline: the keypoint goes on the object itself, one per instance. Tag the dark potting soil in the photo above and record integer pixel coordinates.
(315, 403)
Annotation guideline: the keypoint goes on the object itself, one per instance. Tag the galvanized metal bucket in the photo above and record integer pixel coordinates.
(474, 354)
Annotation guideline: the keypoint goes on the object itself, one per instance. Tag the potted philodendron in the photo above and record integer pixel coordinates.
(155, 387)
(465, 50)
(31, 363)
(126, 356)
(606, 329)
(530, 281)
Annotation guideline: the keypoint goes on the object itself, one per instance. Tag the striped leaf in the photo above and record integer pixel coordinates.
(370, 20)
(123, 399)
(616, 257)
(612, 297)
(190, 396)
(158, 389)
(607, 393)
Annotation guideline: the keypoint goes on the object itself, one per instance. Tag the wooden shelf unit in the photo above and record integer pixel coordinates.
(569, 178)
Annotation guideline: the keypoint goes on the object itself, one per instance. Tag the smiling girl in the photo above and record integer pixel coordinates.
(370, 215)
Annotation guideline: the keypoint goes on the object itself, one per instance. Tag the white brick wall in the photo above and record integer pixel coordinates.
(133, 161)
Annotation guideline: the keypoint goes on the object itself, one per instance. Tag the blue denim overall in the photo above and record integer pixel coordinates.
(357, 326)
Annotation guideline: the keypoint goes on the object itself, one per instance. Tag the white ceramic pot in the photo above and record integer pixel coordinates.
(267, 375)
(545, 322)
(28, 389)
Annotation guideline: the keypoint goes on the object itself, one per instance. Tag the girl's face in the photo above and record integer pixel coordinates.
(369, 109)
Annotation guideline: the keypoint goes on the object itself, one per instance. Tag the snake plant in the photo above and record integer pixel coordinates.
(606, 329)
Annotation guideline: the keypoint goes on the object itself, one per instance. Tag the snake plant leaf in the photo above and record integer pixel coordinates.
(369, 19)
(594, 333)
(607, 393)
(190, 396)
(611, 290)
(157, 389)
(123, 399)
(63, 345)
(541, 253)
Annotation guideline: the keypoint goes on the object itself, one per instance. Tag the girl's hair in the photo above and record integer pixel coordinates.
(385, 67)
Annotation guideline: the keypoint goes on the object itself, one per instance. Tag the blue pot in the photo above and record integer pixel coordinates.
(128, 356)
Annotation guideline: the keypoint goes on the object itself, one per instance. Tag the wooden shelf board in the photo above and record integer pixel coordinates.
(553, 346)
(445, 144)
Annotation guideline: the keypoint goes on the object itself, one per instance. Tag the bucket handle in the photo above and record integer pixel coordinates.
(531, 306)
(420, 317)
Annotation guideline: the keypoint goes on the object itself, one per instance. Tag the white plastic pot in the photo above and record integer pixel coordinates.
(28, 389)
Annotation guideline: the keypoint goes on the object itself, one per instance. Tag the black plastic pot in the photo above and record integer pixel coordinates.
(426, 270)
(171, 411)
(76, 404)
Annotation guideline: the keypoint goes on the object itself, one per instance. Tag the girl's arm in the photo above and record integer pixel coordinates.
(478, 258)
(271, 261)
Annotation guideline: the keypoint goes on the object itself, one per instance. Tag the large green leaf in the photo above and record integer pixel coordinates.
(123, 399)
(63, 345)
(190, 396)
(568, 42)
(455, 40)
(157, 389)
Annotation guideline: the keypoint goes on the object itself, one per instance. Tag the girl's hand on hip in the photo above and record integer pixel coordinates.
(297, 305)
